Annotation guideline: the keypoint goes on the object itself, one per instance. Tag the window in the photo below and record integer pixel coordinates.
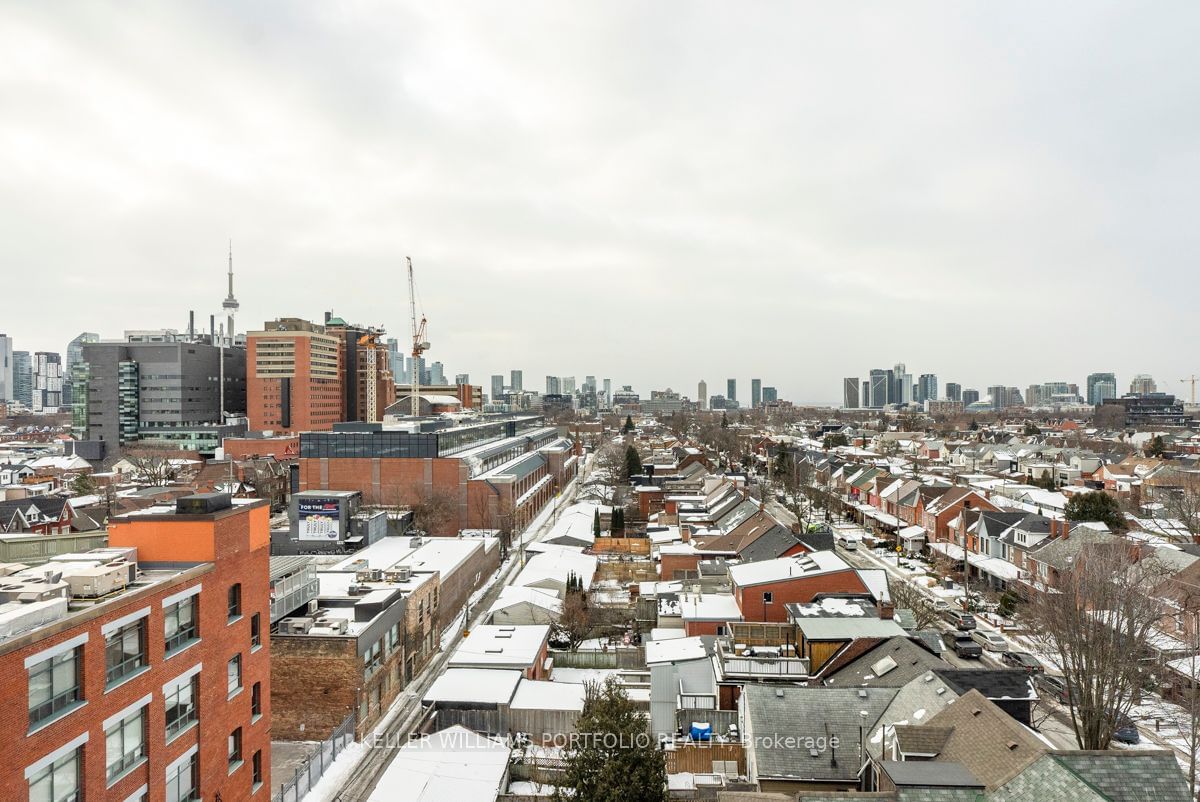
(234, 674)
(768, 596)
(58, 782)
(125, 651)
(255, 631)
(372, 659)
(256, 765)
(54, 686)
(182, 778)
(181, 707)
(235, 601)
(235, 749)
(255, 700)
(180, 625)
(125, 744)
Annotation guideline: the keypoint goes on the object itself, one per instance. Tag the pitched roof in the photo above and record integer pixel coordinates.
(816, 714)
(985, 739)
(917, 740)
(1061, 552)
(1129, 776)
(910, 661)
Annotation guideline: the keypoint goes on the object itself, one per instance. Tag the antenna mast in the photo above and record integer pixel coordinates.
(419, 344)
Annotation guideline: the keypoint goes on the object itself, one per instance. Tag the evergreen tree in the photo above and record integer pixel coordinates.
(633, 463)
(724, 421)
(628, 427)
(1096, 506)
(1157, 447)
(615, 759)
(618, 520)
(596, 523)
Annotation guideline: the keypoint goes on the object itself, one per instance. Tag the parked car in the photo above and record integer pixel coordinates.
(960, 620)
(941, 605)
(991, 640)
(1023, 660)
(1053, 685)
(1127, 731)
(963, 644)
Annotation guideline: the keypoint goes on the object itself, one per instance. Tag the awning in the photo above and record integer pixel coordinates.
(949, 549)
(1001, 569)
(911, 533)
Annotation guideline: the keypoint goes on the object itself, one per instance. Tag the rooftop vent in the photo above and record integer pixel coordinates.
(203, 503)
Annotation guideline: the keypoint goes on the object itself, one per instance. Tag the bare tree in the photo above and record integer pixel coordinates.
(906, 596)
(1097, 623)
(155, 469)
(607, 468)
(1179, 493)
(433, 510)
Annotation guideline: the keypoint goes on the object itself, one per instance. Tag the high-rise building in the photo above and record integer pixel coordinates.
(397, 360)
(127, 688)
(907, 389)
(702, 394)
(1034, 395)
(1142, 384)
(999, 396)
(568, 385)
(851, 393)
(553, 385)
(6, 368)
(1101, 386)
(159, 394)
(294, 377)
(74, 357)
(731, 389)
(437, 374)
(755, 393)
(896, 393)
(462, 378)
(23, 378)
(953, 391)
(608, 392)
(879, 389)
(47, 382)
(770, 395)
(970, 397)
(368, 387)
(516, 381)
(927, 389)
(497, 387)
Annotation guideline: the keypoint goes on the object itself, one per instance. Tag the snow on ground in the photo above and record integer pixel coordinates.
(526, 788)
(334, 778)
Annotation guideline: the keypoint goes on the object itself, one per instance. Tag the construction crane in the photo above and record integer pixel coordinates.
(419, 344)
(1192, 380)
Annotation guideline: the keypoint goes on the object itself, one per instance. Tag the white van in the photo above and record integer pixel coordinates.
(848, 541)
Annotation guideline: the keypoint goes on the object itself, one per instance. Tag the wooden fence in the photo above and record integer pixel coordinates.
(616, 657)
(698, 758)
(638, 546)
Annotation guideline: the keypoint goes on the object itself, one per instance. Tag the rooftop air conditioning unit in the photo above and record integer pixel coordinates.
(313, 606)
(376, 575)
(295, 626)
(92, 583)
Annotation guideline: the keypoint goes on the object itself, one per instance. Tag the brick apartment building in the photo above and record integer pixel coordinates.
(144, 666)
(376, 625)
(293, 377)
(494, 474)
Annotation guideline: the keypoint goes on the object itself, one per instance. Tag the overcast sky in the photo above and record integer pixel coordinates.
(653, 192)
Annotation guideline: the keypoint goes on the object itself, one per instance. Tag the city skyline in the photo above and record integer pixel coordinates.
(892, 202)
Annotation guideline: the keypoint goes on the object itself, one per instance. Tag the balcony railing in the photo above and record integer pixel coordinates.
(745, 666)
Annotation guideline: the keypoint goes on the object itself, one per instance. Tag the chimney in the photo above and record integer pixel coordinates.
(1066, 529)
(212, 329)
(192, 324)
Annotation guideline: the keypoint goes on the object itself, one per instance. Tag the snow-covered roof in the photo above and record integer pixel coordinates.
(702, 607)
(511, 595)
(812, 564)
(499, 645)
(453, 764)
(481, 685)
(675, 650)
(545, 695)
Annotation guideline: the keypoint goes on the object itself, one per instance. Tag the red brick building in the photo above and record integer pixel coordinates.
(494, 474)
(156, 681)
(294, 375)
(763, 588)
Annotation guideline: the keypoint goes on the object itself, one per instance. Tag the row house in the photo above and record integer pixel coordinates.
(938, 506)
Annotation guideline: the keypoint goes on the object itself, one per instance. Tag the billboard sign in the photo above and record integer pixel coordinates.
(318, 518)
